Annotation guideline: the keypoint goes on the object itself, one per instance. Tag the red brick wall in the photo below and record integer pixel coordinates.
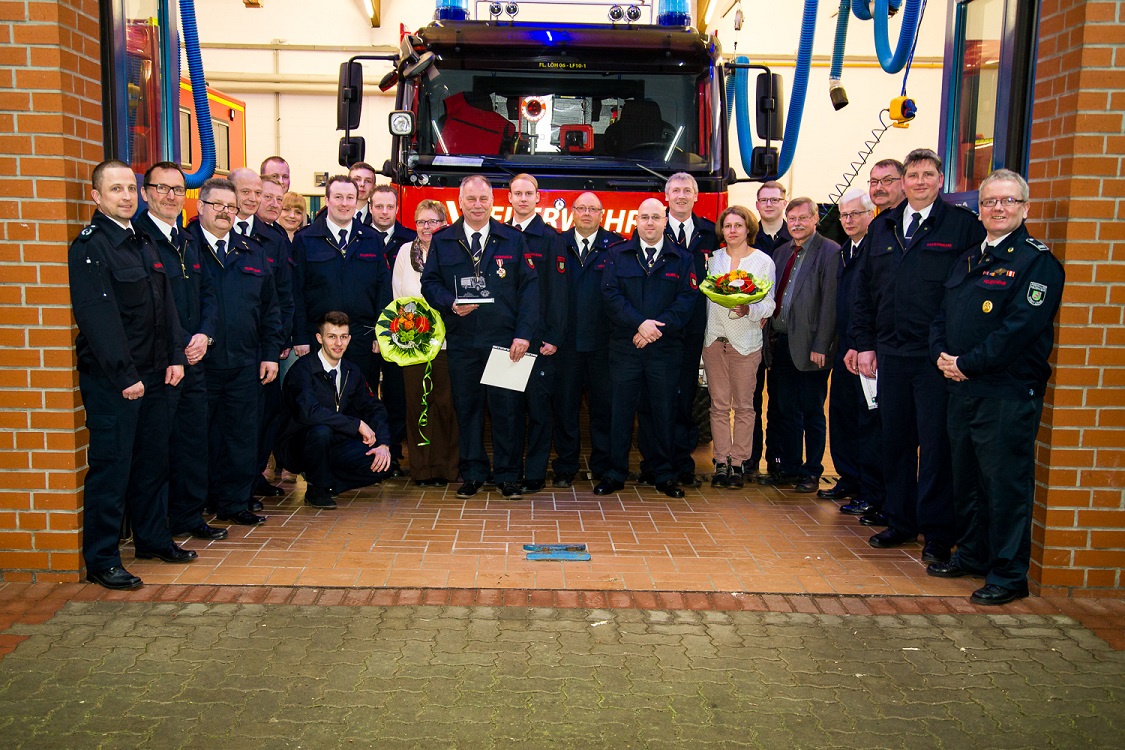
(50, 137)
(1078, 194)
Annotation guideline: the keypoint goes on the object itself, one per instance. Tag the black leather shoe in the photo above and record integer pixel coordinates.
(736, 479)
(807, 485)
(203, 531)
(608, 487)
(396, 469)
(262, 488)
(319, 497)
(891, 538)
(530, 487)
(510, 489)
(835, 493)
(115, 578)
(254, 505)
(935, 552)
(439, 481)
(173, 554)
(873, 518)
(855, 508)
(647, 479)
(670, 488)
(777, 479)
(469, 488)
(950, 569)
(688, 479)
(423, 483)
(992, 594)
(242, 518)
(563, 480)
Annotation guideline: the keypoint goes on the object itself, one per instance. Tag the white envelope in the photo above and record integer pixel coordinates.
(502, 372)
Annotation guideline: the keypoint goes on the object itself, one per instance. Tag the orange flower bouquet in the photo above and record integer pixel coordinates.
(735, 288)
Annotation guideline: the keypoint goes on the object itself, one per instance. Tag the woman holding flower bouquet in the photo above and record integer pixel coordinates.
(434, 464)
(740, 287)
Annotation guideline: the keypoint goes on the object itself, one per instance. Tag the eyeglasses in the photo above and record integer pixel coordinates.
(853, 215)
(429, 222)
(885, 182)
(588, 209)
(163, 189)
(649, 217)
(1005, 202)
(794, 219)
(221, 208)
(771, 201)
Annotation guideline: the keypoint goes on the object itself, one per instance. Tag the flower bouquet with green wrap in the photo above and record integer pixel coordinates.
(735, 288)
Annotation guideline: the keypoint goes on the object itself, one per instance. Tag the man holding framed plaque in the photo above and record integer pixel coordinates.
(479, 276)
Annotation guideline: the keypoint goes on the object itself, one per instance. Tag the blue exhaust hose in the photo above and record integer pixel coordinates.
(738, 83)
(800, 86)
(207, 162)
(888, 61)
(837, 68)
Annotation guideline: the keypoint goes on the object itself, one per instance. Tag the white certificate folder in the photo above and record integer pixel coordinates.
(502, 372)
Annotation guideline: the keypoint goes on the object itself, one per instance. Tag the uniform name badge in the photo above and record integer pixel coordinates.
(473, 290)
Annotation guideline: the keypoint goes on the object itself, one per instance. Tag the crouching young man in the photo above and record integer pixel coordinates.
(333, 428)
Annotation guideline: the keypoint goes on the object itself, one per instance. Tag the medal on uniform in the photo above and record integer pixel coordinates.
(500, 268)
(987, 306)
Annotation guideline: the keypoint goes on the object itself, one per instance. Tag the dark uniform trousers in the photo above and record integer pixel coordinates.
(505, 410)
(540, 386)
(575, 371)
(330, 459)
(124, 456)
(802, 394)
(232, 412)
(653, 371)
(912, 399)
(188, 450)
(989, 439)
(855, 433)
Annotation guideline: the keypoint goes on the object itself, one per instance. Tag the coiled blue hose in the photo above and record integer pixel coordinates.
(837, 69)
(800, 86)
(888, 61)
(207, 162)
(738, 83)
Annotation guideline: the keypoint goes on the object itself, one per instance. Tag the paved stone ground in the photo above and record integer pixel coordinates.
(248, 676)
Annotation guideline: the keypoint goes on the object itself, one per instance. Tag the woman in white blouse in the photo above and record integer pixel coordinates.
(436, 464)
(732, 347)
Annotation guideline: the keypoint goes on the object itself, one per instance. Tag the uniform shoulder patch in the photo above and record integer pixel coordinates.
(88, 232)
(1038, 245)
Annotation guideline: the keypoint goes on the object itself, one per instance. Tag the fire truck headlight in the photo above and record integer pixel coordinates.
(402, 122)
(495, 9)
(616, 13)
(512, 9)
(633, 13)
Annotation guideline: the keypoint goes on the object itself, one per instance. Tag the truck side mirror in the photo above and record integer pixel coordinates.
(770, 100)
(352, 150)
(349, 98)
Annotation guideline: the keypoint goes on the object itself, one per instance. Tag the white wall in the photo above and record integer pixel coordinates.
(290, 94)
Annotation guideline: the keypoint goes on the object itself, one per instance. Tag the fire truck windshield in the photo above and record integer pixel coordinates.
(567, 118)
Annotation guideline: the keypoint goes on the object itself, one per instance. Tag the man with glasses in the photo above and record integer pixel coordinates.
(803, 333)
(184, 472)
(650, 286)
(992, 341)
(853, 428)
(242, 356)
(582, 360)
(899, 290)
(885, 184)
(129, 348)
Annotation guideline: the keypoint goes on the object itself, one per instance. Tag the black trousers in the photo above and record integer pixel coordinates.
(870, 437)
(686, 435)
(385, 380)
(124, 439)
(186, 483)
(796, 413)
(916, 464)
(654, 372)
(269, 421)
(505, 409)
(331, 461)
(759, 432)
(540, 415)
(232, 417)
(845, 399)
(575, 372)
(993, 450)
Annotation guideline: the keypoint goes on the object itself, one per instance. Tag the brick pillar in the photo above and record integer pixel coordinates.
(50, 138)
(1078, 197)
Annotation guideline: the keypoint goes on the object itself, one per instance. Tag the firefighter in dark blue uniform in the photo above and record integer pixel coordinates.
(992, 340)
(474, 252)
(650, 285)
(340, 266)
(185, 471)
(275, 245)
(697, 234)
(545, 248)
(901, 277)
(243, 355)
(582, 361)
(129, 347)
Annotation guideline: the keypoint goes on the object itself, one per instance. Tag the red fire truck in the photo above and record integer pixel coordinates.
(611, 108)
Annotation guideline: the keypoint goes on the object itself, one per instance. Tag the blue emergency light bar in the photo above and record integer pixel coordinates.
(673, 13)
(452, 10)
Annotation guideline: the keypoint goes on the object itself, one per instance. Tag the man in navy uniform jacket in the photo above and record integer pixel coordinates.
(333, 428)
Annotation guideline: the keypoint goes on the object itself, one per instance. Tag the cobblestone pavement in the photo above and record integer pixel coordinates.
(115, 674)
